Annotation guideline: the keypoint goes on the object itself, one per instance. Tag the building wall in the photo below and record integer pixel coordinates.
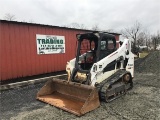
(18, 50)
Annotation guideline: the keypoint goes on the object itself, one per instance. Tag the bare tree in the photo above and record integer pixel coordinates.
(95, 27)
(31, 21)
(65, 26)
(144, 39)
(141, 39)
(9, 17)
(147, 38)
(23, 21)
(156, 40)
(76, 25)
(109, 30)
(82, 26)
(132, 32)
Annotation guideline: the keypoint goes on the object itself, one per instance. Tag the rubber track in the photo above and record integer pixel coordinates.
(103, 86)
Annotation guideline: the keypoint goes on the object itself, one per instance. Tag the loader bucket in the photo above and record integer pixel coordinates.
(70, 96)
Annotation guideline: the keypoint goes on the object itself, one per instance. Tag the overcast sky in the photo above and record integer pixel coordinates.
(107, 14)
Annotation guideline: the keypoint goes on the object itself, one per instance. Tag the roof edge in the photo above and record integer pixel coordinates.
(26, 23)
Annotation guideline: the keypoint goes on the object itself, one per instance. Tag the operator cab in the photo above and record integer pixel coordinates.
(92, 47)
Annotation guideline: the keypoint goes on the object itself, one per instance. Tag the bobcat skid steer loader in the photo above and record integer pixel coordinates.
(100, 72)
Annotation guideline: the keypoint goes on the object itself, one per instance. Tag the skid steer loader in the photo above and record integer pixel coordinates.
(100, 72)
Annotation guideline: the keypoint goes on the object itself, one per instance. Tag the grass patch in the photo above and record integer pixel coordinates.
(142, 55)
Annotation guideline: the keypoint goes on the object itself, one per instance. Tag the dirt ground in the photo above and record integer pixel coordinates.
(142, 102)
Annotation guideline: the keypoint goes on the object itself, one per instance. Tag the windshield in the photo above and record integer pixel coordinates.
(107, 44)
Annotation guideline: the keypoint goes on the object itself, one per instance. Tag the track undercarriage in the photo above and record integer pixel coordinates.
(115, 86)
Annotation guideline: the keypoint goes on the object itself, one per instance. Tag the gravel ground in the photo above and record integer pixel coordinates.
(149, 64)
(142, 102)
